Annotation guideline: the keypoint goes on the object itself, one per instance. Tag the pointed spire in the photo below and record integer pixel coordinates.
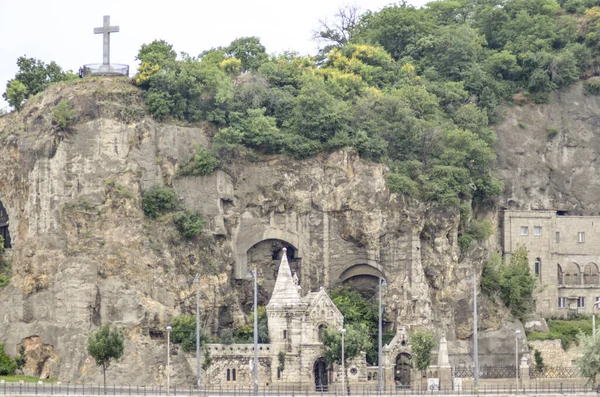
(285, 292)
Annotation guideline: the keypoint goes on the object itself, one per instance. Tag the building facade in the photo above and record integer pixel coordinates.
(293, 358)
(563, 252)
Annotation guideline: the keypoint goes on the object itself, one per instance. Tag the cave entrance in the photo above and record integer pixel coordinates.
(266, 256)
(4, 233)
(363, 278)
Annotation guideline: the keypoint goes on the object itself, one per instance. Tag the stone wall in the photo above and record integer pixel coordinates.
(553, 354)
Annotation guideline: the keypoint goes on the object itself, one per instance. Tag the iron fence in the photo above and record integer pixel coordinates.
(554, 372)
(51, 389)
(486, 372)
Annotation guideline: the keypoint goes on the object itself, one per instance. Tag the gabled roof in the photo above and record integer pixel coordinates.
(314, 298)
(285, 292)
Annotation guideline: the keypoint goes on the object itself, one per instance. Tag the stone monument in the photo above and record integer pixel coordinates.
(106, 68)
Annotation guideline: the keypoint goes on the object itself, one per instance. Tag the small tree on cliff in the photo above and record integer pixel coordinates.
(105, 345)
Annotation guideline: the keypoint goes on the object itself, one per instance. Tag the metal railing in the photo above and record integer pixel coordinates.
(99, 69)
(52, 389)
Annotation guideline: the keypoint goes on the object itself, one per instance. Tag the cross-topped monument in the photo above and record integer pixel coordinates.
(106, 68)
(106, 30)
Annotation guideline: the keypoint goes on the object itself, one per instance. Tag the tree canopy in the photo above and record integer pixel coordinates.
(106, 345)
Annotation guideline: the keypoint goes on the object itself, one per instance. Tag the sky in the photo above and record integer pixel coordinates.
(62, 30)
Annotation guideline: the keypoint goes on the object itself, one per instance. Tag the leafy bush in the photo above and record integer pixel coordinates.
(552, 132)
(184, 333)
(158, 200)
(245, 333)
(204, 162)
(5, 268)
(63, 115)
(513, 282)
(7, 364)
(539, 360)
(188, 223)
(592, 86)
(477, 231)
(565, 330)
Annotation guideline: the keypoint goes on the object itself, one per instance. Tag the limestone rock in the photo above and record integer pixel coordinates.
(535, 323)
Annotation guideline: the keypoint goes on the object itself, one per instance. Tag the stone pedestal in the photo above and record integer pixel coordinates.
(524, 369)
(445, 375)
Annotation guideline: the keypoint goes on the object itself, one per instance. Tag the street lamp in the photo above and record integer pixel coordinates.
(475, 334)
(197, 282)
(382, 283)
(168, 358)
(517, 332)
(253, 275)
(594, 319)
(343, 363)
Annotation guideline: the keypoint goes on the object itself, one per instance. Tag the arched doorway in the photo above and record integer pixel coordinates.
(403, 368)
(4, 226)
(321, 379)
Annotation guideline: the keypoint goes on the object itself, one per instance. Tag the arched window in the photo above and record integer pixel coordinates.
(233, 374)
(538, 267)
(590, 274)
(320, 332)
(572, 274)
(228, 374)
(560, 275)
(284, 334)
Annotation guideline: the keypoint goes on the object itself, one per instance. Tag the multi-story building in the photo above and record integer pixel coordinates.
(563, 252)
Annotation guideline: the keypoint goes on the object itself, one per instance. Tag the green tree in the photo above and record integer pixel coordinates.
(159, 52)
(517, 284)
(512, 282)
(106, 345)
(358, 339)
(15, 94)
(245, 333)
(589, 362)
(422, 345)
(36, 76)
(184, 333)
(249, 50)
(7, 364)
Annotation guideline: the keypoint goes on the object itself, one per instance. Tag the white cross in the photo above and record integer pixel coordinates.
(106, 30)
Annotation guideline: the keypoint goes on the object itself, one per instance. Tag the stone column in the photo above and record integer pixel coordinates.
(444, 368)
(524, 369)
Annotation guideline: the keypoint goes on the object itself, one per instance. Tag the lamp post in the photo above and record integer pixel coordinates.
(594, 319)
(382, 283)
(517, 332)
(475, 334)
(255, 369)
(343, 363)
(168, 358)
(197, 282)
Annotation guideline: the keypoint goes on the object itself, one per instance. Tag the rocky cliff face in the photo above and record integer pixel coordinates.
(84, 254)
(548, 154)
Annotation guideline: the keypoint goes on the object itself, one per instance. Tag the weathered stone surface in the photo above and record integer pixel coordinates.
(543, 171)
(84, 255)
(535, 323)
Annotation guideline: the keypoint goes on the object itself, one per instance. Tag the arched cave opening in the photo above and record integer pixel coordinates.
(266, 256)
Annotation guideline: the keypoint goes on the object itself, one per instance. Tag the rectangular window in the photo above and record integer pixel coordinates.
(524, 231)
(284, 334)
(581, 301)
(557, 236)
(537, 230)
(278, 373)
(581, 237)
(562, 302)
